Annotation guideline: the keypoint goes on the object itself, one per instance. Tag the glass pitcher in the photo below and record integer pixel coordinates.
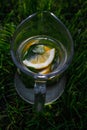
(35, 87)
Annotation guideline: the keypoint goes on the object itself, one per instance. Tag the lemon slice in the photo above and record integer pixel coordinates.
(41, 61)
(29, 44)
(46, 70)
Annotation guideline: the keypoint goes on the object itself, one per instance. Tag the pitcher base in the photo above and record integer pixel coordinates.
(52, 93)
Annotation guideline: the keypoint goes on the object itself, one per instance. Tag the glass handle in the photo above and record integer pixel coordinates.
(39, 95)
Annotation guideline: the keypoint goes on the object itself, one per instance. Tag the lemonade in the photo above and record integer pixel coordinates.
(41, 54)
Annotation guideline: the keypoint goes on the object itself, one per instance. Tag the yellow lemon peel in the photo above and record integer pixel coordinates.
(41, 61)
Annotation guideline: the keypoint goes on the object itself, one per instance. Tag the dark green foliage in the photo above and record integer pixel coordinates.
(69, 112)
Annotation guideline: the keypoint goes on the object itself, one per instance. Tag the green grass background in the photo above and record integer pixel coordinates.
(69, 112)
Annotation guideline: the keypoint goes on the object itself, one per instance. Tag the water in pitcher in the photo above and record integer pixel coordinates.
(42, 54)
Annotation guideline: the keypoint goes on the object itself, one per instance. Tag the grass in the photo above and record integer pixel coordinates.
(69, 112)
